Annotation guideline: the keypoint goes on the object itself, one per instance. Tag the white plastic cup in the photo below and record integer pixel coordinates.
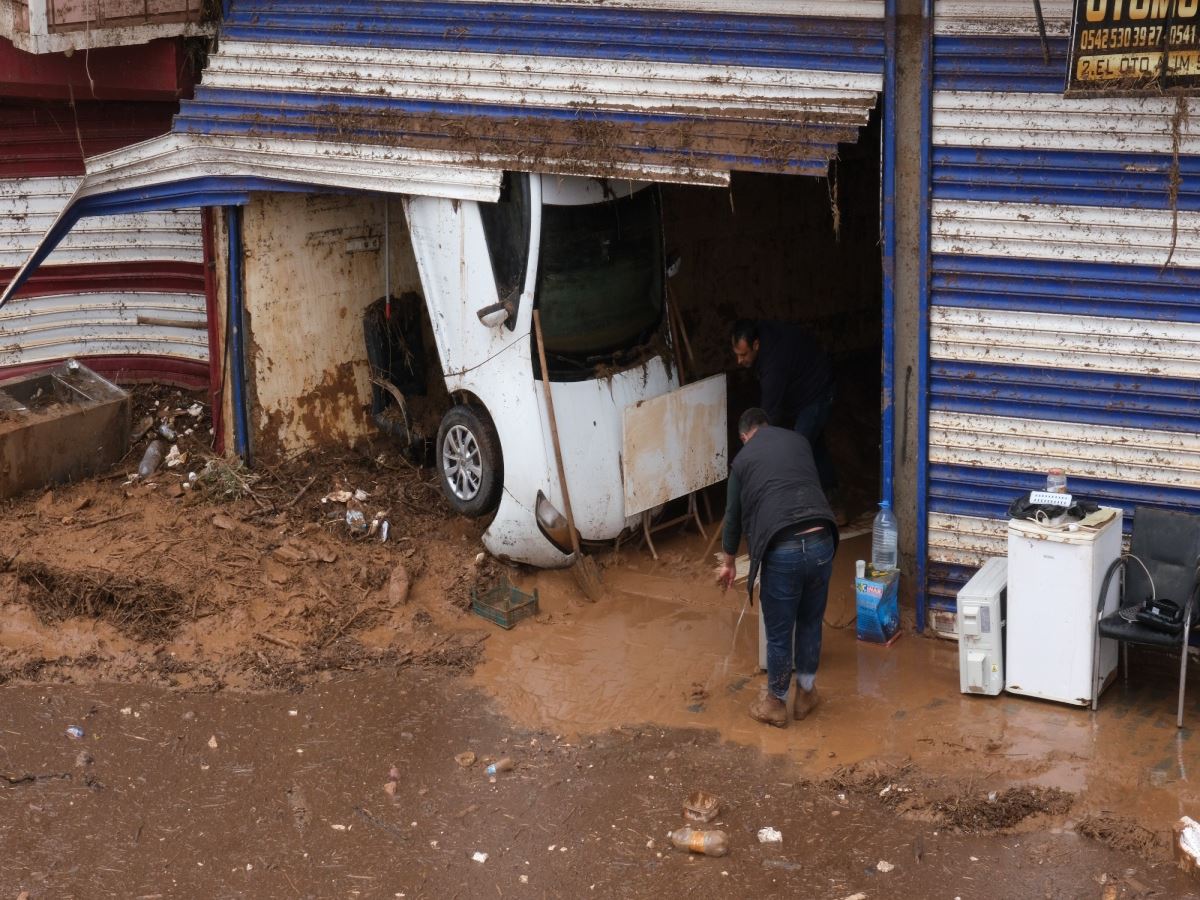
(860, 568)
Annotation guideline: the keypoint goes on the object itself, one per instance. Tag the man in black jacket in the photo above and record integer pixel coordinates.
(796, 380)
(775, 498)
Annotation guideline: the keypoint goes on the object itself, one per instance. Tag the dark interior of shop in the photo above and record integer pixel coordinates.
(792, 248)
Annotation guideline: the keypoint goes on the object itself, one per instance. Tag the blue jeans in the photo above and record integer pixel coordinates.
(795, 586)
(811, 422)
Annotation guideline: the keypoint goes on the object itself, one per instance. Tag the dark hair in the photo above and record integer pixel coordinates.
(745, 330)
(751, 419)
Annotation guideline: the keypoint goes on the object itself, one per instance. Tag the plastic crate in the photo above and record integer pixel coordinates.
(504, 604)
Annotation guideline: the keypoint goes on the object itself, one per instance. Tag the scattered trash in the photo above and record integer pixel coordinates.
(355, 520)
(390, 789)
(524, 879)
(75, 733)
(394, 773)
(360, 495)
(84, 759)
(212, 742)
(701, 806)
(770, 835)
(479, 857)
(785, 864)
(504, 604)
(168, 432)
(884, 866)
(384, 529)
(503, 764)
(378, 521)
(338, 827)
(398, 585)
(151, 459)
(195, 410)
(175, 459)
(337, 497)
(466, 759)
(859, 896)
(695, 840)
(1187, 845)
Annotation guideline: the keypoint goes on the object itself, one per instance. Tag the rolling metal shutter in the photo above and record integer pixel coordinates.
(1064, 305)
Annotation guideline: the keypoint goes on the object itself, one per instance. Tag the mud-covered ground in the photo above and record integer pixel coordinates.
(224, 794)
(249, 676)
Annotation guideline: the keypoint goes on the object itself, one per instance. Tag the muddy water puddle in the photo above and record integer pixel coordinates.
(657, 650)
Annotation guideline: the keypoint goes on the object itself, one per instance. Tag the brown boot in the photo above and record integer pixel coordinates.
(806, 702)
(770, 710)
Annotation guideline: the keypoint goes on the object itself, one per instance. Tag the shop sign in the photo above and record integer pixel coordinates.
(1133, 46)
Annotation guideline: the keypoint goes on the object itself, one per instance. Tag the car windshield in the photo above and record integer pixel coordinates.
(600, 279)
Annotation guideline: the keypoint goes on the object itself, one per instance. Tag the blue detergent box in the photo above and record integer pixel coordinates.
(878, 606)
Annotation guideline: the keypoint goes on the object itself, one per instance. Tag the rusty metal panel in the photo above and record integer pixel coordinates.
(59, 424)
(1064, 290)
(75, 15)
(56, 26)
(675, 444)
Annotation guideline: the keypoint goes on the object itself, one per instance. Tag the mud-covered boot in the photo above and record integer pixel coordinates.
(806, 702)
(770, 710)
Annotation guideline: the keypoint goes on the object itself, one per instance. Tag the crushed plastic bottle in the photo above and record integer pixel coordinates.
(151, 459)
(696, 840)
(504, 764)
(885, 535)
(168, 432)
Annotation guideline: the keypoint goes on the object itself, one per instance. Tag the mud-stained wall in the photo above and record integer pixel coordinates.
(793, 248)
(312, 265)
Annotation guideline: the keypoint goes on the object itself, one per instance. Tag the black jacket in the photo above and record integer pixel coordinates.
(792, 369)
(779, 487)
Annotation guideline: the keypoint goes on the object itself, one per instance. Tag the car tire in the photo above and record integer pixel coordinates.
(469, 461)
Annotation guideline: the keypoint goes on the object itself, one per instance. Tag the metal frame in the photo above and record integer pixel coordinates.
(922, 545)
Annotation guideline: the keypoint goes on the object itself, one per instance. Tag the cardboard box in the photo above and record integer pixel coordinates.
(878, 606)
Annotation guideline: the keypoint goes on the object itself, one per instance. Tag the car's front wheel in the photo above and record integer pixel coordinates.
(469, 461)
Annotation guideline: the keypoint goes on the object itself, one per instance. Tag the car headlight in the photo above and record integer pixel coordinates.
(553, 524)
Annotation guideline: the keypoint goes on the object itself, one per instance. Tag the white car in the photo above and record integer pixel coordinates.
(588, 253)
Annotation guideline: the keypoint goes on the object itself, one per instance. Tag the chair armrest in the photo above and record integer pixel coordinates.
(1118, 563)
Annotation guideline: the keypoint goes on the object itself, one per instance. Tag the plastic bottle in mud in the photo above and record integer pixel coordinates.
(710, 843)
(504, 764)
(151, 460)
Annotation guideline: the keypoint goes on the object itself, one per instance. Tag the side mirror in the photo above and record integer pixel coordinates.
(495, 315)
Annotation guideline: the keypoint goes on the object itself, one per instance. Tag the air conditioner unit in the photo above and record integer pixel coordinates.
(982, 610)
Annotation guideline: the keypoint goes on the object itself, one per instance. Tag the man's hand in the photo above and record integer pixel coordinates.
(726, 572)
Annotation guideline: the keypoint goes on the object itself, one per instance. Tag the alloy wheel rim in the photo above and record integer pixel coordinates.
(462, 462)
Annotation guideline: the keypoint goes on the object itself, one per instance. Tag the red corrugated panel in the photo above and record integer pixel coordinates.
(159, 70)
(38, 139)
(160, 275)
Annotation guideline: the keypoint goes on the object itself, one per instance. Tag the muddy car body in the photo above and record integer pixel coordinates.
(588, 254)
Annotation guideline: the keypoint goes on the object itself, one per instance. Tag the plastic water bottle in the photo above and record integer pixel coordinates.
(710, 843)
(151, 459)
(504, 764)
(885, 535)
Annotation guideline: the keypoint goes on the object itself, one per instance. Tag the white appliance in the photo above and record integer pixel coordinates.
(1054, 575)
(981, 616)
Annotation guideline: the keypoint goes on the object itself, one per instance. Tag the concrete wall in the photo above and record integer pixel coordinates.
(312, 265)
